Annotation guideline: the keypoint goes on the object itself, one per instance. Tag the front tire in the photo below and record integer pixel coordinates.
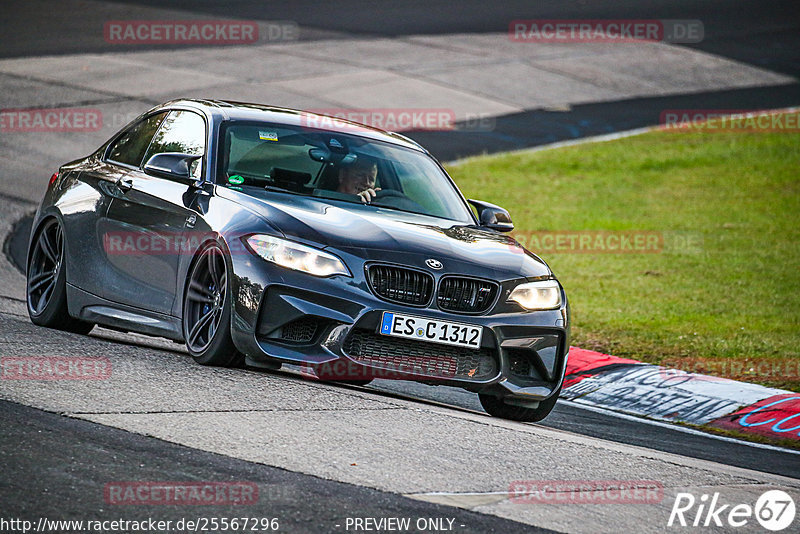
(496, 407)
(207, 310)
(46, 282)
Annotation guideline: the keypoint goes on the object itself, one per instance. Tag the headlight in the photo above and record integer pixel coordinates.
(296, 256)
(544, 295)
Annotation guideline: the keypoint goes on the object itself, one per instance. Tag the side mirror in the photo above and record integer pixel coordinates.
(492, 216)
(171, 165)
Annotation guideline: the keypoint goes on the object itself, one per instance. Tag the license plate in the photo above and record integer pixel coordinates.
(445, 332)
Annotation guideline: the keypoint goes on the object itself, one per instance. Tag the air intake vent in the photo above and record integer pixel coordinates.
(403, 286)
(300, 330)
(466, 295)
(420, 357)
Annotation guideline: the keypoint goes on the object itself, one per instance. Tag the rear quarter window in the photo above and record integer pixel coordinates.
(130, 147)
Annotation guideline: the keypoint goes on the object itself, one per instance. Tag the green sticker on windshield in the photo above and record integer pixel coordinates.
(236, 179)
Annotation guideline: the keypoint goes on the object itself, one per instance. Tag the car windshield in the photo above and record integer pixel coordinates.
(336, 166)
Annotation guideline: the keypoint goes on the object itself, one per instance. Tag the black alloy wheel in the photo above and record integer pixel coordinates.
(46, 289)
(207, 310)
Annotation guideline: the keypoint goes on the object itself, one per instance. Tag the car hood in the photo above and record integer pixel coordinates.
(400, 237)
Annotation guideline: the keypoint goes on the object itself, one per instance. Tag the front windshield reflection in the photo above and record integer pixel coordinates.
(336, 166)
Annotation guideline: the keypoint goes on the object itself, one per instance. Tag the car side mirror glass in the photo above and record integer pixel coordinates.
(171, 165)
(493, 217)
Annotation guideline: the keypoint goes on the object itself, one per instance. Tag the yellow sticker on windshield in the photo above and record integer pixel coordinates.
(268, 136)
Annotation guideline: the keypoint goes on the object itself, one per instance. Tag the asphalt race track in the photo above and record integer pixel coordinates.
(566, 417)
(322, 453)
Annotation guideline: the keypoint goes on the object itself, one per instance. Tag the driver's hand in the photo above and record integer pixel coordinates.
(368, 195)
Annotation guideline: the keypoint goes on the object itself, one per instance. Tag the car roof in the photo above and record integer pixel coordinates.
(244, 111)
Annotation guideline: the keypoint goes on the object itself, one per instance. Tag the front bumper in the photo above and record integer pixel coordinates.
(331, 324)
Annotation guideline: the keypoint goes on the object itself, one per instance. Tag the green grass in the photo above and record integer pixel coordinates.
(735, 295)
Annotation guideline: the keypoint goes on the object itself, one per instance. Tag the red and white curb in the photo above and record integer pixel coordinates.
(632, 387)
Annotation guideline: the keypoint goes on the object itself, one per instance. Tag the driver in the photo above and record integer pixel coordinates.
(358, 178)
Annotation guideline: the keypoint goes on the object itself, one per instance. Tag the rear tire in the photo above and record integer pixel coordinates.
(207, 310)
(496, 407)
(46, 282)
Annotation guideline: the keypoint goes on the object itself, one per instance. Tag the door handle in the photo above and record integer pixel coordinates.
(124, 184)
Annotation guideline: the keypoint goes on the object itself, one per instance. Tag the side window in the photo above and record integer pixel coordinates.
(181, 131)
(130, 148)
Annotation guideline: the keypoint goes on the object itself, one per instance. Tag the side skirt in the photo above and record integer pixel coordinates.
(92, 308)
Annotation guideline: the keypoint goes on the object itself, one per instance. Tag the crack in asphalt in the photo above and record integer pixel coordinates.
(117, 97)
(14, 198)
(264, 410)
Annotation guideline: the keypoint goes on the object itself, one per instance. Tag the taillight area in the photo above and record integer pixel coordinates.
(53, 179)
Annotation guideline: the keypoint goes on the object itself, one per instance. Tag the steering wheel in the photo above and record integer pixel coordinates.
(390, 193)
(392, 198)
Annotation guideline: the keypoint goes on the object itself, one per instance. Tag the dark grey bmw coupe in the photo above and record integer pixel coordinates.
(268, 236)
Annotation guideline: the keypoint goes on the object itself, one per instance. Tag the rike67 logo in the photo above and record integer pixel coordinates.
(774, 510)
